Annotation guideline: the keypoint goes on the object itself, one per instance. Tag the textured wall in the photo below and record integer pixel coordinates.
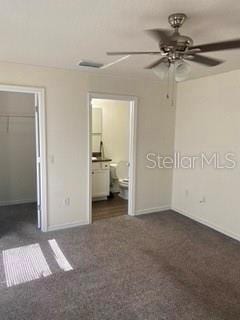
(207, 120)
(67, 135)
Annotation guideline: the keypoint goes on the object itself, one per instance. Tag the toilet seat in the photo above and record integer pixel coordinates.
(123, 183)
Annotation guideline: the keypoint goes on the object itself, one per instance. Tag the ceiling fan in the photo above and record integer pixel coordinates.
(175, 48)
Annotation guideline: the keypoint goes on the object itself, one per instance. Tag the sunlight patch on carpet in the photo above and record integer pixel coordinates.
(24, 264)
(59, 256)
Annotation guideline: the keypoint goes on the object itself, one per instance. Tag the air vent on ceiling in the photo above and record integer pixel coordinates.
(90, 64)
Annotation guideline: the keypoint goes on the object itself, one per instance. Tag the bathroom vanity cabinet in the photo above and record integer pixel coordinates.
(100, 180)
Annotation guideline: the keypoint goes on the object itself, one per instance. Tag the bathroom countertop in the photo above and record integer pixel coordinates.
(102, 160)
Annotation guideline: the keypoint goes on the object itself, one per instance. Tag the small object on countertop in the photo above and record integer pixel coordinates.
(101, 149)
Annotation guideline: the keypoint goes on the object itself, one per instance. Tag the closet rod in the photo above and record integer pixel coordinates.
(16, 116)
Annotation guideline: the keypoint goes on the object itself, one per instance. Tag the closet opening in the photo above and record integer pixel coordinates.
(22, 161)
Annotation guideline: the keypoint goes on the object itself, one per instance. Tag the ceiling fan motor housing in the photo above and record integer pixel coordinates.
(176, 48)
(176, 43)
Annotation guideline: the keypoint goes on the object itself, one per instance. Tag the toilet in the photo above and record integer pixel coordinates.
(119, 178)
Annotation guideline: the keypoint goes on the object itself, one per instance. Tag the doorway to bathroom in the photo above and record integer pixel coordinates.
(112, 143)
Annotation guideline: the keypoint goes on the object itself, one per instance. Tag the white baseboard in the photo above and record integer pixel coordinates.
(208, 224)
(152, 210)
(15, 202)
(67, 225)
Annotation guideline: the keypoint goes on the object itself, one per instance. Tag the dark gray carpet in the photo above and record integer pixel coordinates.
(158, 266)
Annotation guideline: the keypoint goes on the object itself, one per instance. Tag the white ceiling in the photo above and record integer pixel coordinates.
(59, 33)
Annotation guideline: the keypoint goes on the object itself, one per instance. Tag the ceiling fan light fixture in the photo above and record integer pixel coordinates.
(182, 70)
(162, 70)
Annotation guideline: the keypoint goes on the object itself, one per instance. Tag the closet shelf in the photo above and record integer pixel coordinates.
(16, 115)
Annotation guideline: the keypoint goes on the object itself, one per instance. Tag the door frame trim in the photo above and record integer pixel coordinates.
(132, 148)
(40, 92)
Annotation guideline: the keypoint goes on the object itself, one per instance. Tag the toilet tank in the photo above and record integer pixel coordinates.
(122, 170)
(113, 174)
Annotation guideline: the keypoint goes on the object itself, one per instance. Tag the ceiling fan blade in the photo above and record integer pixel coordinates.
(217, 46)
(156, 63)
(160, 35)
(123, 53)
(105, 66)
(191, 51)
(211, 62)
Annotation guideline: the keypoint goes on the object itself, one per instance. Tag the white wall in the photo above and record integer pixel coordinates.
(115, 128)
(208, 120)
(17, 145)
(67, 135)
